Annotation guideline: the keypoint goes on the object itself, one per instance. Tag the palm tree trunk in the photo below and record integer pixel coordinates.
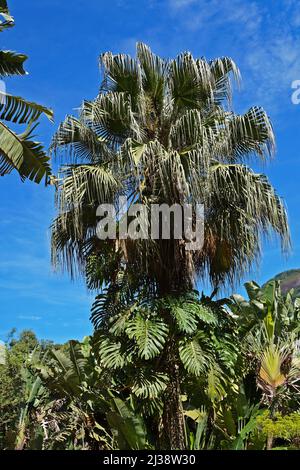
(173, 420)
(270, 441)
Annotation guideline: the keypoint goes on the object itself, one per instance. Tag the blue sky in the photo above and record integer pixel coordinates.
(63, 41)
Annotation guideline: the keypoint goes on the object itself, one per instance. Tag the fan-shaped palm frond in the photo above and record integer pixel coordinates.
(221, 69)
(153, 70)
(80, 142)
(240, 213)
(121, 74)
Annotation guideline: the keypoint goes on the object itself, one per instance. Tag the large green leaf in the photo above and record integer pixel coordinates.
(215, 384)
(192, 356)
(149, 384)
(130, 427)
(205, 313)
(150, 335)
(185, 317)
(112, 353)
(21, 153)
(16, 109)
(66, 371)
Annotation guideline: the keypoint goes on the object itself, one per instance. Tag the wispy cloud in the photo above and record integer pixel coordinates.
(213, 13)
(29, 317)
(262, 36)
(27, 263)
(177, 4)
(274, 67)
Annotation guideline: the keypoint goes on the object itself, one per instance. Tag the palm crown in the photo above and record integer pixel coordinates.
(162, 131)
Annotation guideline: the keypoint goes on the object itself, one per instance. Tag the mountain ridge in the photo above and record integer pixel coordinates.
(289, 279)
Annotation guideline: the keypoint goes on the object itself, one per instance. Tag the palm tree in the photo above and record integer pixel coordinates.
(19, 151)
(162, 131)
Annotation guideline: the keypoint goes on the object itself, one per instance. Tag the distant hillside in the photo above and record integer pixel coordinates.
(289, 280)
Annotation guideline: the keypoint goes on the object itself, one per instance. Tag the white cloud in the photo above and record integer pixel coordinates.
(272, 66)
(177, 4)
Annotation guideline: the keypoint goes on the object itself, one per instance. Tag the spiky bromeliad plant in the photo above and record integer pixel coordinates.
(19, 151)
(162, 131)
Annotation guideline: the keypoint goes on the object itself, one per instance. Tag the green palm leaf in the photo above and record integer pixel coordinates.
(78, 141)
(153, 74)
(161, 128)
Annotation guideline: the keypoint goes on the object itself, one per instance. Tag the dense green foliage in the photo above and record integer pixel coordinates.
(13, 375)
(239, 377)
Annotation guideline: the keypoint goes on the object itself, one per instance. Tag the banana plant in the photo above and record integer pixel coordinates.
(267, 312)
(81, 409)
(128, 426)
(19, 151)
(33, 390)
